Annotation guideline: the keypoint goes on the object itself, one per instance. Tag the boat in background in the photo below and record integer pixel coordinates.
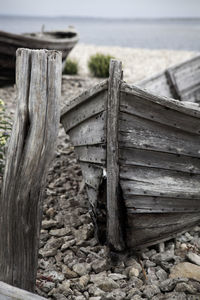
(63, 41)
(143, 150)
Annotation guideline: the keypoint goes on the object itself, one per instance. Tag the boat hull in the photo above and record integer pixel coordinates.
(9, 43)
(157, 159)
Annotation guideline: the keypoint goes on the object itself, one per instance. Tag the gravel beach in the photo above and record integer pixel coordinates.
(72, 264)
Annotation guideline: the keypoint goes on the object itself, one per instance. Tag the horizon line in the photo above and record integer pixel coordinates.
(100, 17)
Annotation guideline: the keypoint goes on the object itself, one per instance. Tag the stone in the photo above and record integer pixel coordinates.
(151, 290)
(107, 285)
(185, 287)
(164, 256)
(95, 291)
(99, 265)
(68, 244)
(83, 280)
(47, 253)
(161, 274)
(60, 232)
(136, 297)
(115, 295)
(54, 243)
(194, 258)
(46, 224)
(55, 276)
(117, 276)
(82, 268)
(168, 285)
(149, 263)
(132, 292)
(185, 270)
(68, 272)
(47, 286)
(133, 272)
(95, 278)
(95, 298)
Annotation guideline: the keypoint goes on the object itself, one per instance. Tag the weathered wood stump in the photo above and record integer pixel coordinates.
(32, 144)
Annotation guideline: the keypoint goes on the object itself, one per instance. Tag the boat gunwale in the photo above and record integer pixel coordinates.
(28, 38)
(84, 97)
(171, 103)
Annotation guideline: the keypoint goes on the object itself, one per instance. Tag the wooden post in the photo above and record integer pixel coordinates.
(32, 144)
(114, 230)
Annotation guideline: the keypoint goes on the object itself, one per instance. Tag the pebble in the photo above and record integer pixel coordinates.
(186, 270)
(82, 268)
(194, 258)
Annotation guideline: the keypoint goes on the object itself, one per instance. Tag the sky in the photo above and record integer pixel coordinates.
(103, 8)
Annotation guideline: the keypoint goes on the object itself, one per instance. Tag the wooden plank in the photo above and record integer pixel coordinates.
(114, 229)
(167, 102)
(141, 107)
(142, 232)
(160, 160)
(158, 85)
(157, 182)
(148, 204)
(9, 292)
(90, 132)
(92, 154)
(30, 152)
(84, 97)
(186, 76)
(144, 134)
(95, 105)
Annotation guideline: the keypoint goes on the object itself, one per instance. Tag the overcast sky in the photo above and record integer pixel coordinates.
(102, 8)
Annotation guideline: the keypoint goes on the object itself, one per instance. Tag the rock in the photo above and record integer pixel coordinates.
(46, 224)
(95, 298)
(168, 285)
(68, 244)
(82, 268)
(151, 290)
(60, 232)
(136, 282)
(165, 256)
(132, 292)
(115, 295)
(47, 286)
(54, 275)
(194, 258)
(99, 265)
(95, 291)
(95, 278)
(68, 272)
(133, 272)
(65, 289)
(84, 233)
(149, 263)
(136, 297)
(54, 243)
(47, 253)
(185, 287)
(162, 275)
(187, 270)
(172, 295)
(107, 285)
(83, 280)
(117, 276)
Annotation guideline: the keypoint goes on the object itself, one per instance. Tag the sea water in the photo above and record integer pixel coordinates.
(177, 34)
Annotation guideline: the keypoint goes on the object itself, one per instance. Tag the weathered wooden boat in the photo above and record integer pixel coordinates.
(144, 150)
(63, 41)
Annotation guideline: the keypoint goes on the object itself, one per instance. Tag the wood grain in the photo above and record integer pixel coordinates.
(114, 229)
(29, 154)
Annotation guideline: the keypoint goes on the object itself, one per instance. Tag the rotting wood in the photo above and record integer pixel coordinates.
(114, 229)
(136, 132)
(29, 154)
(8, 292)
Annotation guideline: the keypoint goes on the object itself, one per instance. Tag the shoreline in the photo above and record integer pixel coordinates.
(138, 64)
